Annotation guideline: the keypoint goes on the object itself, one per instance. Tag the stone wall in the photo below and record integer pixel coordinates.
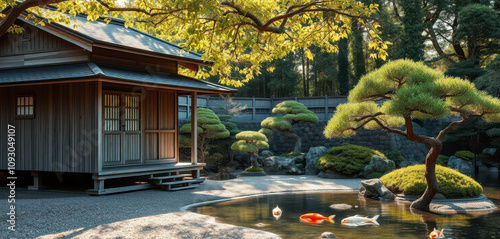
(312, 136)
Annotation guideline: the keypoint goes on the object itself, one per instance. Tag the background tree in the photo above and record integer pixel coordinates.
(250, 142)
(413, 43)
(490, 81)
(411, 91)
(293, 113)
(233, 130)
(209, 127)
(226, 32)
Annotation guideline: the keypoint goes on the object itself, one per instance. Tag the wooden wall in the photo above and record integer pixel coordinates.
(36, 47)
(62, 137)
(160, 125)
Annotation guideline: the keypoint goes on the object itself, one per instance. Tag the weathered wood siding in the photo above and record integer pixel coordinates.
(62, 137)
(36, 47)
(159, 125)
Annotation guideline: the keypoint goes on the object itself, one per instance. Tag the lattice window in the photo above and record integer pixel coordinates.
(132, 113)
(25, 106)
(111, 112)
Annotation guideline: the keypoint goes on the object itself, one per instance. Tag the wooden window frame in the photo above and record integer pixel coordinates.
(32, 116)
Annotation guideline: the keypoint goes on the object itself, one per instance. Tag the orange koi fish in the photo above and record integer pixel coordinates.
(436, 234)
(316, 218)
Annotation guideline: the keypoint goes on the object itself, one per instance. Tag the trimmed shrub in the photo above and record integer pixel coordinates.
(395, 156)
(451, 183)
(442, 160)
(465, 155)
(254, 169)
(347, 159)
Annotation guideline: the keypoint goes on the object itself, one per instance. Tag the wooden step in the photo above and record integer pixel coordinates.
(198, 180)
(182, 188)
(176, 182)
(170, 177)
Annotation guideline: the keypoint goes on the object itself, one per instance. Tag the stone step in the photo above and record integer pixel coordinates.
(182, 188)
(176, 182)
(170, 177)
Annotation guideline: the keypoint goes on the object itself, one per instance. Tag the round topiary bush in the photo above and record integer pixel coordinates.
(347, 159)
(451, 183)
(465, 155)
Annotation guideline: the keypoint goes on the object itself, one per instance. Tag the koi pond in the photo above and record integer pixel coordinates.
(396, 220)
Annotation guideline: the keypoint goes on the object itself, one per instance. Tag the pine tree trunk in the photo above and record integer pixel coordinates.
(253, 159)
(298, 141)
(430, 175)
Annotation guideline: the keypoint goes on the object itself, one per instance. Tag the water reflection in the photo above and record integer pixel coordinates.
(396, 220)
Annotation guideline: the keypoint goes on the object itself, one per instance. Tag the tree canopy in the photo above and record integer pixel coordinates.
(250, 142)
(226, 32)
(403, 90)
(290, 113)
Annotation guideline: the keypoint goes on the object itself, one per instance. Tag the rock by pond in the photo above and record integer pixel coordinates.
(461, 165)
(378, 165)
(375, 189)
(283, 165)
(312, 158)
(340, 206)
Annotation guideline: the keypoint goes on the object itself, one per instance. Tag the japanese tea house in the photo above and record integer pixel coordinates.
(99, 99)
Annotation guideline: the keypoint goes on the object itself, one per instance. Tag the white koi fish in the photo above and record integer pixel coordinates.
(358, 220)
(277, 212)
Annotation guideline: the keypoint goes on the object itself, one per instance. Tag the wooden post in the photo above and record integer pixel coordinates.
(99, 127)
(194, 128)
(37, 182)
(253, 108)
(326, 107)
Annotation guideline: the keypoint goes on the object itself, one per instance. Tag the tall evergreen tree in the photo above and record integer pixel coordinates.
(358, 56)
(343, 66)
(413, 42)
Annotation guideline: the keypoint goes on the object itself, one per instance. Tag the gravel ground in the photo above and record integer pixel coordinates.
(148, 213)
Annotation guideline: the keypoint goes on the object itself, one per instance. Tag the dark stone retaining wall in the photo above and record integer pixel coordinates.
(312, 136)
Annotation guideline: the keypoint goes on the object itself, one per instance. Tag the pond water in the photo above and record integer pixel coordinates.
(396, 219)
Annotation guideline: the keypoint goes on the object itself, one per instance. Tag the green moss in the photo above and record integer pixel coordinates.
(395, 156)
(347, 159)
(451, 183)
(442, 160)
(254, 169)
(465, 155)
(375, 175)
(291, 154)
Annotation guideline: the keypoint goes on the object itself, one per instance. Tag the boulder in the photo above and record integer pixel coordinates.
(281, 165)
(380, 165)
(266, 153)
(299, 159)
(312, 158)
(407, 163)
(326, 235)
(375, 189)
(490, 151)
(461, 165)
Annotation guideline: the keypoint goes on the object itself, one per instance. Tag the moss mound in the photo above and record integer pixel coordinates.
(465, 155)
(254, 169)
(395, 156)
(451, 183)
(347, 159)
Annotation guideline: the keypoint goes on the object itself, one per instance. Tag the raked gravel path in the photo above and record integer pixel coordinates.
(149, 213)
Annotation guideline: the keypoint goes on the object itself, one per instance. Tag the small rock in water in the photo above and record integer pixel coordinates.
(260, 224)
(327, 235)
(341, 206)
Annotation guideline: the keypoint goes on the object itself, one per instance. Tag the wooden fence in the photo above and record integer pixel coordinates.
(261, 108)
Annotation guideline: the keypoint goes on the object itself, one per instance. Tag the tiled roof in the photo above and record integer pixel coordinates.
(88, 70)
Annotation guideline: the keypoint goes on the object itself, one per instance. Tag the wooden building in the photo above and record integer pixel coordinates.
(99, 99)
